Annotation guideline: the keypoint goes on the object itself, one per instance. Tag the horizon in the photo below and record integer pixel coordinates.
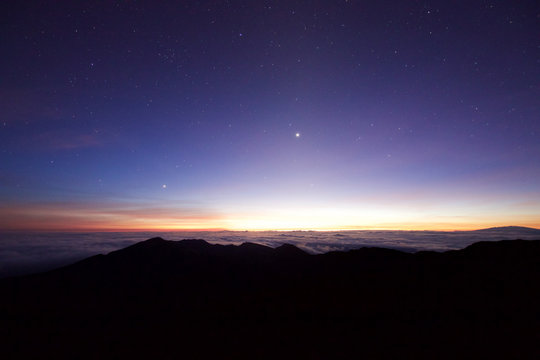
(194, 230)
(269, 116)
(23, 252)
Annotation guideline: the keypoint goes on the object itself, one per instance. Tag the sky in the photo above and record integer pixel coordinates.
(269, 115)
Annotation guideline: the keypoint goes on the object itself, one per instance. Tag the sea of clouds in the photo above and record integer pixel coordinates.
(22, 253)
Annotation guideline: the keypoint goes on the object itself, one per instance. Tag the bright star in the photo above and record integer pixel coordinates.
(297, 135)
(164, 186)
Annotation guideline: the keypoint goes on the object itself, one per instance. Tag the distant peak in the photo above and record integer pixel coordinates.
(253, 248)
(511, 228)
(290, 250)
(156, 242)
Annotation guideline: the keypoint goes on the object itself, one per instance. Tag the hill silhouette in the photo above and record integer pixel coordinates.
(191, 299)
(511, 229)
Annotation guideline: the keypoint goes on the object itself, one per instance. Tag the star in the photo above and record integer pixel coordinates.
(297, 135)
(164, 186)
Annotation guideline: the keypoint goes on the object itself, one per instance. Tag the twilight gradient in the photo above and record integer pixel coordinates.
(269, 115)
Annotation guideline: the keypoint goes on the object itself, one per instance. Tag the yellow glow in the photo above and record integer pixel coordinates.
(375, 219)
(64, 217)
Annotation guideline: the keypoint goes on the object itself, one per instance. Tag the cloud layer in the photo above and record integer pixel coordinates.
(27, 252)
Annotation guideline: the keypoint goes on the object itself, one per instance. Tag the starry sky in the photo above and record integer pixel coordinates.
(269, 114)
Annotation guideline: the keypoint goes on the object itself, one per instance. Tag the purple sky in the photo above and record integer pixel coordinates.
(269, 114)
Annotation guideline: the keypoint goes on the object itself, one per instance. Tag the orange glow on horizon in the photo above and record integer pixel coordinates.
(69, 217)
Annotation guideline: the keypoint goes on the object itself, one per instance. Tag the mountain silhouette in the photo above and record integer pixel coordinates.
(511, 230)
(192, 299)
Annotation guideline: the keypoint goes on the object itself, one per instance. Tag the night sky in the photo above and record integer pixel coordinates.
(269, 114)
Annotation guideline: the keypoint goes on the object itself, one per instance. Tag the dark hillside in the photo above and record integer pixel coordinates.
(191, 299)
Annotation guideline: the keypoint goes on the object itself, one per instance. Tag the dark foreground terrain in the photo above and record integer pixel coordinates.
(188, 299)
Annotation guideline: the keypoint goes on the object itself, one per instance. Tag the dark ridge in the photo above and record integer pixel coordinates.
(518, 245)
(368, 254)
(156, 239)
(194, 243)
(159, 246)
(147, 245)
(192, 299)
(288, 250)
(255, 249)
